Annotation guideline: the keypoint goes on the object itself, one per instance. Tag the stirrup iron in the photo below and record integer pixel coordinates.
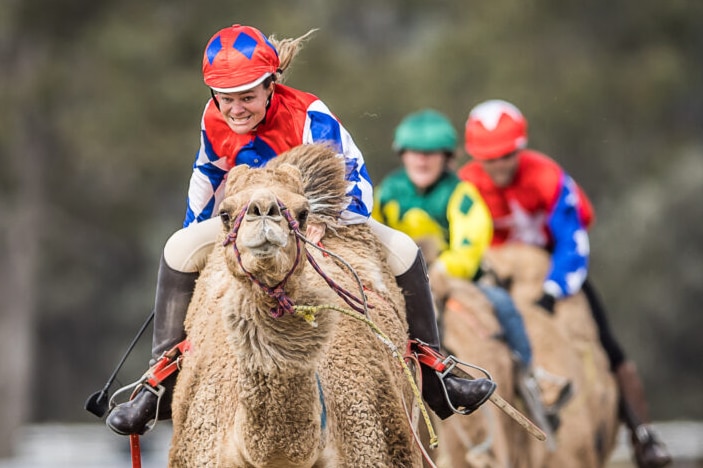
(444, 366)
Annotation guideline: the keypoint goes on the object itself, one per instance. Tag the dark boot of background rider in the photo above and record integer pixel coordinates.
(649, 451)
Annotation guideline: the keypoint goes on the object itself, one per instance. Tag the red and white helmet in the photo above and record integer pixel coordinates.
(495, 128)
(238, 58)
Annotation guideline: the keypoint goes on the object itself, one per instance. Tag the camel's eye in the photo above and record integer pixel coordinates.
(302, 217)
(226, 220)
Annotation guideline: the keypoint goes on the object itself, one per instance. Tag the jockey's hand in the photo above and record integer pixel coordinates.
(547, 302)
(315, 231)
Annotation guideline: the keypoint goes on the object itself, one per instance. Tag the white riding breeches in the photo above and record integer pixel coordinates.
(187, 250)
(401, 250)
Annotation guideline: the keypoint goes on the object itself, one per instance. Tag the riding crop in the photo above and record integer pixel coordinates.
(98, 402)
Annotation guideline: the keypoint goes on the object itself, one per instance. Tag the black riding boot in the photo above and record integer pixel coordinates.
(174, 290)
(463, 393)
(649, 451)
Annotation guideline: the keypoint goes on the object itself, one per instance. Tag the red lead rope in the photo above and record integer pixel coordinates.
(167, 364)
(135, 451)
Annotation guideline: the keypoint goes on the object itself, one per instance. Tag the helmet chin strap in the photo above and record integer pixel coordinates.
(217, 103)
(268, 100)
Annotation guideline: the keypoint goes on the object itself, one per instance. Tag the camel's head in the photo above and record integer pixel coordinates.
(263, 209)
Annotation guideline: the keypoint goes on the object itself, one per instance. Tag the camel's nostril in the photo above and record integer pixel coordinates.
(274, 210)
(266, 207)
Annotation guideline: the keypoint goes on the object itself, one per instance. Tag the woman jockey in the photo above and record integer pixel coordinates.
(250, 119)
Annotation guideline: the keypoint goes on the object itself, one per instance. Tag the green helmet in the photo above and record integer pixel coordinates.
(426, 130)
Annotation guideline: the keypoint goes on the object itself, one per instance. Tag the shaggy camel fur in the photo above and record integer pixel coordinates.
(261, 391)
(565, 345)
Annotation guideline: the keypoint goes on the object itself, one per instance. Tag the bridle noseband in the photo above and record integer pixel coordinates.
(284, 303)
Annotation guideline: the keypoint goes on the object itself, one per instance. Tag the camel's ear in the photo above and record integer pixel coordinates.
(293, 173)
(233, 176)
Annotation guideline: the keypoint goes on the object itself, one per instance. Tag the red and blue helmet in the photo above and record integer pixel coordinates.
(238, 58)
(495, 128)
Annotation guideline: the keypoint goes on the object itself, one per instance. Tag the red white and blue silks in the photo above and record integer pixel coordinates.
(543, 206)
(293, 118)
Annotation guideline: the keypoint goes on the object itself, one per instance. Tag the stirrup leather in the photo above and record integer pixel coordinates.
(167, 364)
(443, 366)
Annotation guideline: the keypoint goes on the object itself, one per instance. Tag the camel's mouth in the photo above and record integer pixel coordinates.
(266, 250)
(264, 237)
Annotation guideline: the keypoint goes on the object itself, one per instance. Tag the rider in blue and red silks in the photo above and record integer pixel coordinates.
(534, 201)
(250, 119)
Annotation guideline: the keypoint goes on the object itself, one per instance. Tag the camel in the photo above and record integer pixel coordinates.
(565, 345)
(263, 386)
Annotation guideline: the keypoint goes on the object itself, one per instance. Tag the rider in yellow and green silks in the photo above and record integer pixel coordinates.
(426, 200)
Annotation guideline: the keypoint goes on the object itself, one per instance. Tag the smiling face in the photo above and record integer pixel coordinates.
(423, 169)
(244, 110)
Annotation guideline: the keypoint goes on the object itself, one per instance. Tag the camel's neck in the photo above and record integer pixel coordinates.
(280, 404)
(281, 418)
(266, 343)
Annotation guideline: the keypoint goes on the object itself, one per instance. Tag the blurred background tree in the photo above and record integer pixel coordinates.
(101, 108)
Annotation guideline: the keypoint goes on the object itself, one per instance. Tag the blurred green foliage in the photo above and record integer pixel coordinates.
(108, 97)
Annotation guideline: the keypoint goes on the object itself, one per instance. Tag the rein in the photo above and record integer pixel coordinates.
(284, 303)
